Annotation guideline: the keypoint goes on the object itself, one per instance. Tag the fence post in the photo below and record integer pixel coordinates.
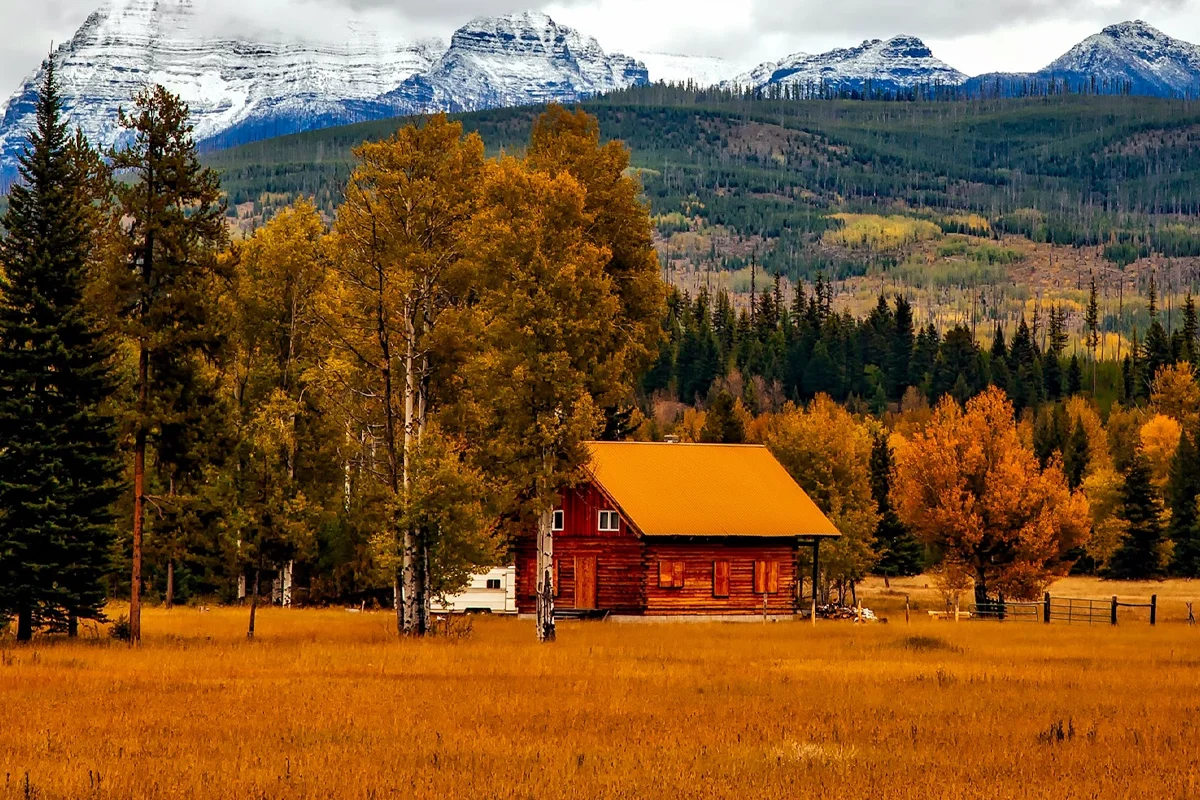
(906, 610)
(1046, 609)
(1153, 608)
(1114, 610)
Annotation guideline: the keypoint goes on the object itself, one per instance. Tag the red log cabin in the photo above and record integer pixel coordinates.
(678, 529)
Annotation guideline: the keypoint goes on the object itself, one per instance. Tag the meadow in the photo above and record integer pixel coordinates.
(328, 704)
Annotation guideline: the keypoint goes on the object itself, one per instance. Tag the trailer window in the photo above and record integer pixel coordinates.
(493, 583)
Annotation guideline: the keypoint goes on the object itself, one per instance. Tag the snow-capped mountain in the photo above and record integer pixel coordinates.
(899, 62)
(514, 60)
(703, 71)
(242, 89)
(1131, 55)
(252, 86)
(1153, 62)
(229, 83)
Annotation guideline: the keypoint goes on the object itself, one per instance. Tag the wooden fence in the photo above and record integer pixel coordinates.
(1071, 610)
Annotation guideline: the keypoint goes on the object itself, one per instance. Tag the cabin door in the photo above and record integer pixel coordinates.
(585, 582)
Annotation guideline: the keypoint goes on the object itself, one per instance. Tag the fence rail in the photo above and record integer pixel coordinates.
(1071, 610)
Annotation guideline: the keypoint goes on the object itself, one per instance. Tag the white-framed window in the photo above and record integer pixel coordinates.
(609, 521)
(559, 520)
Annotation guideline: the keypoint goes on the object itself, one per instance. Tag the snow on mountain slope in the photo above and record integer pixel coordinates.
(1152, 61)
(130, 44)
(512, 60)
(703, 71)
(899, 62)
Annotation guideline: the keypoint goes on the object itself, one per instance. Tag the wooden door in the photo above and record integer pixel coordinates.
(585, 582)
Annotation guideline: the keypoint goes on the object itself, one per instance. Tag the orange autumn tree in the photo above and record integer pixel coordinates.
(969, 488)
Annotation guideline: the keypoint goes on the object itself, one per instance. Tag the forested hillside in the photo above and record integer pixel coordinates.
(979, 211)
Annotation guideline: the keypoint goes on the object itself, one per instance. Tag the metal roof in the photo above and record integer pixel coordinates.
(705, 490)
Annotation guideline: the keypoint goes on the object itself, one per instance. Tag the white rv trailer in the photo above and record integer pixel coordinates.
(492, 592)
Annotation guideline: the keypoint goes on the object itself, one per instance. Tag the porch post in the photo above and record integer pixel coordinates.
(816, 564)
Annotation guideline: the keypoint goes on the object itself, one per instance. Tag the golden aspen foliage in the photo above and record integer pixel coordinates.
(971, 489)
(690, 425)
(1082, 411)
(548, 352)
(1124, 435)
(828, 452)
(1160, 439)
(615, 219)
(1176, 394)
(1103, 487)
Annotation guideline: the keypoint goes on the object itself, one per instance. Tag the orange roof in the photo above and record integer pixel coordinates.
(705, 490)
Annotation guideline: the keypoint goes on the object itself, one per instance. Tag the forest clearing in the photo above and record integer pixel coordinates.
(328, 704)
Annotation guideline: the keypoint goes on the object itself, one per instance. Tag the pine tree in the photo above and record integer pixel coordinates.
(1077, 456)
(59, 465)
(1138, 557)
(1052, 362)
(1092, 321)
(999, 360)
(1074, 376)
(899, 553)
(721, 422)
(167, 284)
(898, 372)
(1183, 491)
(1189, 330)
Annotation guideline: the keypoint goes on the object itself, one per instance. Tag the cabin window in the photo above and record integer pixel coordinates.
(493, 583)
(670, 574)
(766, 577)
(720, 579)
(609, 521)
(559, 520)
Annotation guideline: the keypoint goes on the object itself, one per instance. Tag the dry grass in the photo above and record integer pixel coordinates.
(327, 704)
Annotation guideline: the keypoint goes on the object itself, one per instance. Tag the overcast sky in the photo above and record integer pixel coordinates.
(973, 35)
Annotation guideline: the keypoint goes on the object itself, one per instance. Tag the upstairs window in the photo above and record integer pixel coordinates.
(609, 521)
(559, 520)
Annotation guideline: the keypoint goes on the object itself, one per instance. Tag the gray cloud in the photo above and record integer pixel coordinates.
(944, 18)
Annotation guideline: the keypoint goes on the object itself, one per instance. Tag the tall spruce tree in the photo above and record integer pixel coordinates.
(1183, 490)
(59, 464)
(1074, 376)
(166, 287)
(899, 553)
(1139, 556)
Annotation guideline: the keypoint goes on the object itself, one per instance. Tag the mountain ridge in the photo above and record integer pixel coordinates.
(242, 89)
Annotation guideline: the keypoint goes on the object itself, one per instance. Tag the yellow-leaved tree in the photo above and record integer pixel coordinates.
(828, 452)
(972, 490)
(398, 252)
(278, 275)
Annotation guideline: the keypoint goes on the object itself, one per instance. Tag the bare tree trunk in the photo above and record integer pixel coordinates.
(254, 599)
(545, 577)
(285, 580)
(139, 498)
(170, 599)
(411, 547)
(25, 625)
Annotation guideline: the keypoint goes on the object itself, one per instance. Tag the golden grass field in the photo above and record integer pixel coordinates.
(328, 704)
